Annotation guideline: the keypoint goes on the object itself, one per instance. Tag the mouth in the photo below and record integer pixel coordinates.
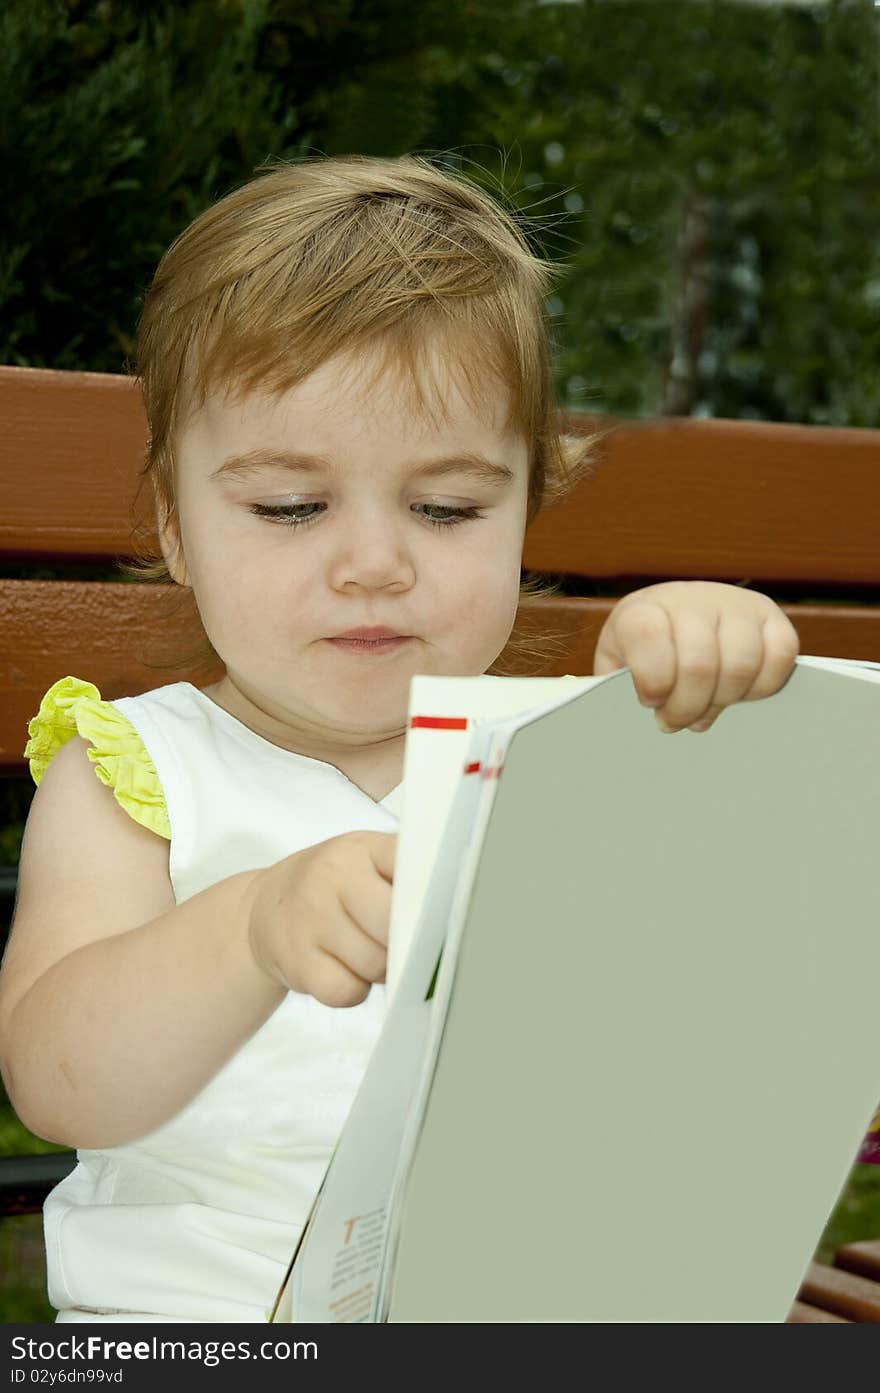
(371, 631)
(386, 644)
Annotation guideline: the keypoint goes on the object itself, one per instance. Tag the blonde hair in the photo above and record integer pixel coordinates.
(327, 255)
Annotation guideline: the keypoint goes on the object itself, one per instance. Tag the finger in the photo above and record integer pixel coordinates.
(357, 950)
(697, 671)
(755, 663)
(366, 900)
(707, 720)
(741, 654)
(333, 983)
(606, 657)
(641, 639)
(382, 848)
(781, 645)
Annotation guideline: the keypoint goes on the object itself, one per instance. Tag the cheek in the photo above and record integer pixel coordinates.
(481, 588)
(498, 558)
(228, 582)
(500, 581)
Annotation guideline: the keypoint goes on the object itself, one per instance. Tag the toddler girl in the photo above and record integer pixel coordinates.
(348, 385)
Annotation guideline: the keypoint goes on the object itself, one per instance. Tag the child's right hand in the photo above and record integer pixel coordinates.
(318, 920)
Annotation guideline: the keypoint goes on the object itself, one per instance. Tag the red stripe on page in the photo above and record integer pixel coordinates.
(472, 768)
(438, 723)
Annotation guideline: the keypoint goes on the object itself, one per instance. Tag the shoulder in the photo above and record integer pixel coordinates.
(87, 870)
(115, 748)
(76, 830)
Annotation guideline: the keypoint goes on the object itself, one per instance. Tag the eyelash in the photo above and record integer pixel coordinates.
(284, 514)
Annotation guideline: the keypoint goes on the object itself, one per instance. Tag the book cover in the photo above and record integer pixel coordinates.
(639, 935)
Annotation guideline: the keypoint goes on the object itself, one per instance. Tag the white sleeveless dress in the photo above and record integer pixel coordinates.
(197, 1220)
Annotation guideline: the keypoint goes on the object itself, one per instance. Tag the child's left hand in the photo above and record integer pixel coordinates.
(696, 646)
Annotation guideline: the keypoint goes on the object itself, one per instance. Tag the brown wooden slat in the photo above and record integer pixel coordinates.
(730, 500)
(842, 1293)
(862, 1258)
(71, 446)
(113, 634)
(725, 500)
(117, 635)
(802, 1314)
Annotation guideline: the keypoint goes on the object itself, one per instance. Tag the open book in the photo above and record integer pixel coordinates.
(598, 1094)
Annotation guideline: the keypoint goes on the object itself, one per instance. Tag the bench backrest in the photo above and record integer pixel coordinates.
(792, 510)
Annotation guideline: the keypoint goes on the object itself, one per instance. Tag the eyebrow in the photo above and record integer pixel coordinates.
(465, 462)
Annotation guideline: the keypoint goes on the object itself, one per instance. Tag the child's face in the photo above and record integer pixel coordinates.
(376, 549)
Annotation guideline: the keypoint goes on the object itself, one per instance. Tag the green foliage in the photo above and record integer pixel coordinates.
(23, 1295)
(723, 158)
(707, 169)
(120, 123)
(856, 1216)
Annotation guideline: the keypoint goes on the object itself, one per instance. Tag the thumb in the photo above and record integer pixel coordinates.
(383, 853)
(608, 656)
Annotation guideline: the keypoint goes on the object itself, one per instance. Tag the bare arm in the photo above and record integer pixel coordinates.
(117, 1005)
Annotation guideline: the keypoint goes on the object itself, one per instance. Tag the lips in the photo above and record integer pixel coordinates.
(370, 634)
(370, 642)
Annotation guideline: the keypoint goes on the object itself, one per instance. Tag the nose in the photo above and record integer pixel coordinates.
(373, 554)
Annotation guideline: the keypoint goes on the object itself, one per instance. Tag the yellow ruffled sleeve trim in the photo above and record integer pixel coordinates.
(72, 707)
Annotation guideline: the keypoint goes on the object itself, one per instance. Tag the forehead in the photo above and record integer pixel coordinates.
(431, 394)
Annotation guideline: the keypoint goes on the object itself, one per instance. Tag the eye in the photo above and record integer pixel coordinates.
(453, 516)
(295, 514)
(286, 513)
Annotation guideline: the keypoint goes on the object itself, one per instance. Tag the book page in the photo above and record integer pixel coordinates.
(456, 874)
(849, 667)
(658, 931)
(442, 713)
(346, 1268)
(337, 1268)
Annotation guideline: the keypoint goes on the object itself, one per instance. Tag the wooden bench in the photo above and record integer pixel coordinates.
(790, 510)
(847, 1291)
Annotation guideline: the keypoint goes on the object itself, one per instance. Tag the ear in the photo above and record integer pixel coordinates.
(168, 530)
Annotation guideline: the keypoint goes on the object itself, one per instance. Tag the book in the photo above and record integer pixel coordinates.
(612, 955)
